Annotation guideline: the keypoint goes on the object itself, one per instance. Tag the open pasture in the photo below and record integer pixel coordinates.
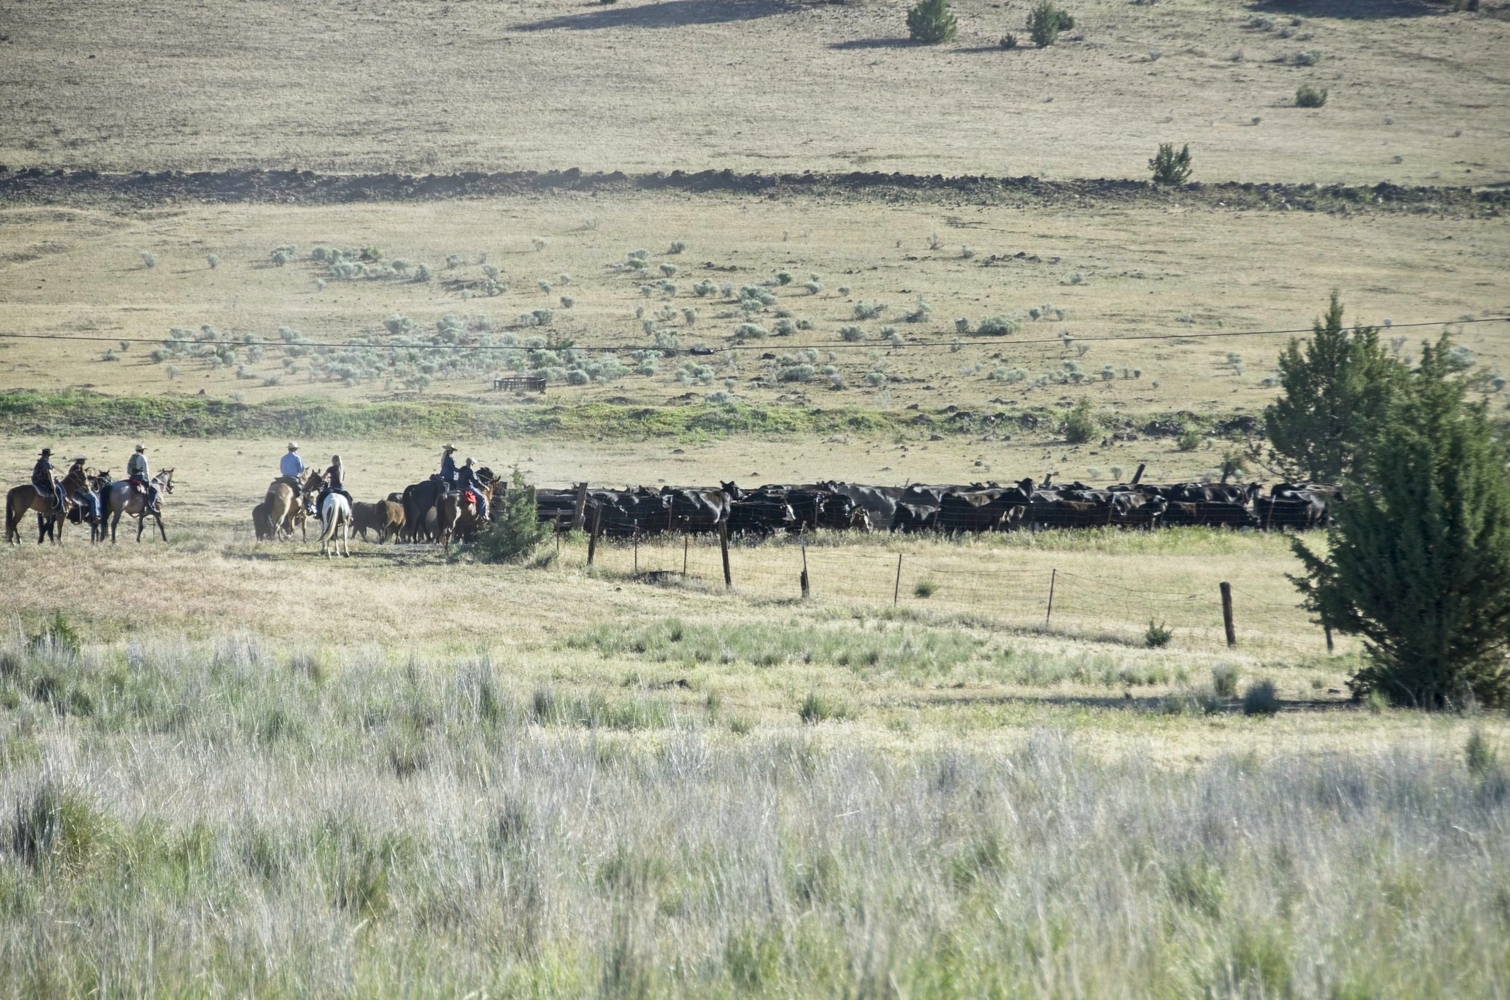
(231, 769)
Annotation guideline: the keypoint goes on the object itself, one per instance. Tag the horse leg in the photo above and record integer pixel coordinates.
(161, 530)
(141, 522)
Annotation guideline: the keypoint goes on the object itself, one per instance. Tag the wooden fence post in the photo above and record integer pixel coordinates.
(636, 551)
(802, 540)
(723, 544)
(684, 554)
(1053, 576)
(897, 590)
(1227, 613)
(579, 513)
(592, 540)
(1137, 476)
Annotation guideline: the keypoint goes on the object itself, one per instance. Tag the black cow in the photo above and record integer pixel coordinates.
(697, 511)
(760, 514)
(912, 517)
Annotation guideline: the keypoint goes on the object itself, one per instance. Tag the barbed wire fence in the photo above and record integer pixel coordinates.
(971, 585)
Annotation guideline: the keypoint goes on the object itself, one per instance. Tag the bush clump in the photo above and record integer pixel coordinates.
(1157, 635)
(1307, 96)
(1260, 699)
(1080, 426)
(932, 22)
(996, 326)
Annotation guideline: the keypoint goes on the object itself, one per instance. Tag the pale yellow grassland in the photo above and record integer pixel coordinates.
(212, 580)
(1416, 93)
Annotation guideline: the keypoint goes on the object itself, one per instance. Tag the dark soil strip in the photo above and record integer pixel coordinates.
(146, 190)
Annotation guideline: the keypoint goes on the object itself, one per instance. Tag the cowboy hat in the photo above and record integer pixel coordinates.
(468, 461)
(47, 451)
(80, 458)
(141, 447)
(293, 446)
(449, 447)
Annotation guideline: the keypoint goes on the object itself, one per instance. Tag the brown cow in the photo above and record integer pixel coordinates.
(368, 515)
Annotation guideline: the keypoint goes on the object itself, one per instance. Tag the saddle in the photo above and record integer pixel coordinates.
(138, 486)
(467, 496)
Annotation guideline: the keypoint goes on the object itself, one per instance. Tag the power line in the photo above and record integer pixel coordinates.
(762, 346)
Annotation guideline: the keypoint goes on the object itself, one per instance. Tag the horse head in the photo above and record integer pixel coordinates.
(164, 480)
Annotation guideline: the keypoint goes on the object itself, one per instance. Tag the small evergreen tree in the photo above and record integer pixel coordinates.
(1170, 167)
(1418, 559)
(514, 535)
(931, 22)
(1336, 388)
(1046, 21)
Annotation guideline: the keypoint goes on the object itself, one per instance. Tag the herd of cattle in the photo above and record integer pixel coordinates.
(945, 508)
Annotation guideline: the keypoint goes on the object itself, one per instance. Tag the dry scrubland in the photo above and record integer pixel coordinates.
(240, 770)
(1416, 93)
(1113, 272)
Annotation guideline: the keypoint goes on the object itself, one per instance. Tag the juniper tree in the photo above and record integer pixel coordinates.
(1170, 167)
(931, 22)
(1337, 386)
(1418, 557)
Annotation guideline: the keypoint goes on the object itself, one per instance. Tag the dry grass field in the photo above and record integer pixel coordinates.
(231, 769)
(1416, 94)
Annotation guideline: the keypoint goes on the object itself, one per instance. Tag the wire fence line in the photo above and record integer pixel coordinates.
(1011, 590)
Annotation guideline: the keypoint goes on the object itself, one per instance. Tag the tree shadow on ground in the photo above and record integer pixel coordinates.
(666, 14)
(1349, 10)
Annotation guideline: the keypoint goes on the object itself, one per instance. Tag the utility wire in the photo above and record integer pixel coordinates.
(997, 342)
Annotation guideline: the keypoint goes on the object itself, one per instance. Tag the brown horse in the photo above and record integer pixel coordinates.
(27, 498)
(283, 514)
(467, 521)
(448, 509)
(120, 499)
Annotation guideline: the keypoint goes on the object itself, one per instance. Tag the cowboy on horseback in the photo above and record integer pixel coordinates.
(467, 480)
(42, 478)
(84, 494)
(291, 471)
(140, 477)
(334, 483)
(447, 475)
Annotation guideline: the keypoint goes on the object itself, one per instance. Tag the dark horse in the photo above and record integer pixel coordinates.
(419, 501)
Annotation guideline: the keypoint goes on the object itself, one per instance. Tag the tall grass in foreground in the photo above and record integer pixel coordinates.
(231, 820)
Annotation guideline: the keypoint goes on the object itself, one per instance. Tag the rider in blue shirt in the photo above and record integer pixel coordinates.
(292, 469)
(466, 479)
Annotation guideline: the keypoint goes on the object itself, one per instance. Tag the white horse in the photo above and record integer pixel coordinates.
(335, 515)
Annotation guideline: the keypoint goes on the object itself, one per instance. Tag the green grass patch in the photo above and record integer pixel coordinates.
(24, 411)
(895, 648)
